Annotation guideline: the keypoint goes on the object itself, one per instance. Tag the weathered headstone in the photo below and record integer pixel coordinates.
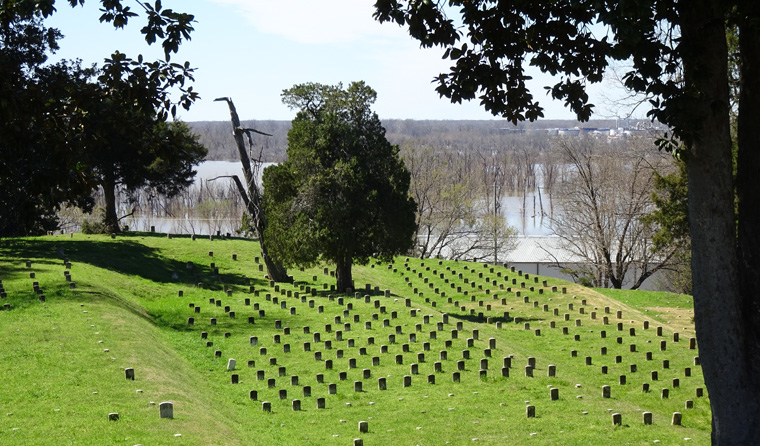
(166, 409)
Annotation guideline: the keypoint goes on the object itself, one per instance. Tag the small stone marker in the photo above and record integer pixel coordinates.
(676, 420)
(647, 418)
(605, 391)
(617, 419)
(554, 394)
(363, 426)
(231, 364)
(530, 411)
(129, 373)
(113, 416)
(166, 409)
(266, 406)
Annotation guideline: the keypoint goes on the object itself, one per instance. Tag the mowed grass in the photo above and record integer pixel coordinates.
(59, 382)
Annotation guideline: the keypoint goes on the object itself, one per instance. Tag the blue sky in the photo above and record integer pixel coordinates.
(251, 50)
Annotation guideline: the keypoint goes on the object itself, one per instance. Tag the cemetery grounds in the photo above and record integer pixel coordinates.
(425, 352)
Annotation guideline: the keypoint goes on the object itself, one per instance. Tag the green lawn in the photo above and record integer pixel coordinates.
(64, 359)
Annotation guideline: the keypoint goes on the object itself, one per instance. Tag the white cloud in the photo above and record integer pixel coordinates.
(312, 21)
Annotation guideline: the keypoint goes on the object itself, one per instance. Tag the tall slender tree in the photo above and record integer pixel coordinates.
(250, 192)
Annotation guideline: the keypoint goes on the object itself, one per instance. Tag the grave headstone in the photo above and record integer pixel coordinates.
(166, 410)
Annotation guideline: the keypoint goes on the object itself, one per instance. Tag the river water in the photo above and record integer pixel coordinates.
(524, 215)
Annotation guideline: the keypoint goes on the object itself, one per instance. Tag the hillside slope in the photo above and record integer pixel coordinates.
(420, 352)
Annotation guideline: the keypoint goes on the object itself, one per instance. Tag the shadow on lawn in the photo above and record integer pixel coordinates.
(482, 320)
(122, 256)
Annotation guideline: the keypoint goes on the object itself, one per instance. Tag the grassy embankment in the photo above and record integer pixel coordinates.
(63, 359)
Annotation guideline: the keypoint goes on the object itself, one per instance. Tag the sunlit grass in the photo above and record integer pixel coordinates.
(130, 288)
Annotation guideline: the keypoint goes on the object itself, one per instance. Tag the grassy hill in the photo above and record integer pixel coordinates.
(411, 324)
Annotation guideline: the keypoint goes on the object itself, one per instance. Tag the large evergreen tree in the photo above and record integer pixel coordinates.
(678, 56)
(343, 194)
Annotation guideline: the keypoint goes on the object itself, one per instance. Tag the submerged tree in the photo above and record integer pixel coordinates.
(454, 220)
(343, 194)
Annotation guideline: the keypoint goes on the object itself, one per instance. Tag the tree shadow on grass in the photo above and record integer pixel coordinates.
(121, 256)
(482, 320)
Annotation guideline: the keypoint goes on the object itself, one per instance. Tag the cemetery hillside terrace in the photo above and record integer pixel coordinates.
(151, 338)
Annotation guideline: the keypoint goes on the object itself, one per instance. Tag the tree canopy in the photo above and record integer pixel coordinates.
(125, 144)
(343, 194)
(51, 121)
(677, 56)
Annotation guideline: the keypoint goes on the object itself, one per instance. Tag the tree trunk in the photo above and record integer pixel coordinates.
(724, 326)
(110, 219)
(343, 274)
(748, 194)
(252, 198)
(276, 272)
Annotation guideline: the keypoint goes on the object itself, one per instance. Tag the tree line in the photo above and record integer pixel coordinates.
(464, 135)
